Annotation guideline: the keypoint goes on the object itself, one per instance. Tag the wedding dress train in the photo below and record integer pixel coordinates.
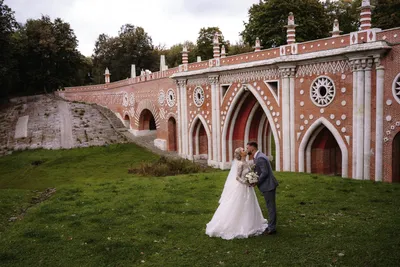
(238, 214)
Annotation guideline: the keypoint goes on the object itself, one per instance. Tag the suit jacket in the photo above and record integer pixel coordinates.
(266, 180)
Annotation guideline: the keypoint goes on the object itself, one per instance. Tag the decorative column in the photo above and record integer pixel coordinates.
(380, 75)
(365, 16)
(133, 71)
(360, 120)
(367, 118)
(286, 151)
(335, 31)
(107, 75)
(292, 120)
(179, 122)
(213, 80)
(216, 45)
(258, 46)
(354, 66)
(291, 29)
(184, 118)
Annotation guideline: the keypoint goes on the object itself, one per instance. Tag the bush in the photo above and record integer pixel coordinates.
(167, 167)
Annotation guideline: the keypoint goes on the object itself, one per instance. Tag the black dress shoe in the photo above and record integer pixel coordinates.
(271, 232)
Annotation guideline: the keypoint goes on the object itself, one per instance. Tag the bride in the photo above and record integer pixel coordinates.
(239, 214)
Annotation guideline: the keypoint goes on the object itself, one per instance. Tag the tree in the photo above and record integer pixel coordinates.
(205, 42)
(48, 56)
(268, 18)
(386, 15)
(346, 12)
(173, 55)
(8, 25)
(239, 48)
(132, 46)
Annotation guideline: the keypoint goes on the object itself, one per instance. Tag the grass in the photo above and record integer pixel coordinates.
(103, 216)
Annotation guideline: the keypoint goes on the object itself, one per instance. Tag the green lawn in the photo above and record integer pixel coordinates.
(103, 216)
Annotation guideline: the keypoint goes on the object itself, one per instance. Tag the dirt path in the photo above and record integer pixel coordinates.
(66, 127)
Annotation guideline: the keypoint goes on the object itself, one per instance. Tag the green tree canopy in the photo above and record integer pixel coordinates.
(132, 46)
(268, 18)
(173, 55)
(386, 15)
(205, 42)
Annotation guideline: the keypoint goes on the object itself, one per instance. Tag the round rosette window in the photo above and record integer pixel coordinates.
(322, 91)
(198, 96)
(171, 98)
(396, 88)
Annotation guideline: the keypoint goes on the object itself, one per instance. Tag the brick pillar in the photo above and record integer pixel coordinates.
(223, 52)
(258, 46)
(185, 55)
(335, 31)
(291, 29)
(365, 16)
(107, 75)
(216, 45)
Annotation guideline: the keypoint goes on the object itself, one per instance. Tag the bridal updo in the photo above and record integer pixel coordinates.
(237, 153)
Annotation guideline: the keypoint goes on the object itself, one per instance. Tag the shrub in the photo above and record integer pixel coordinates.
(167, 167)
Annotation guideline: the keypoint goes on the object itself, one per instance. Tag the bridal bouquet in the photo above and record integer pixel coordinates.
(252, 177)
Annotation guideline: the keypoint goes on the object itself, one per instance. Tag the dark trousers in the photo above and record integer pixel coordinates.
(271, 207)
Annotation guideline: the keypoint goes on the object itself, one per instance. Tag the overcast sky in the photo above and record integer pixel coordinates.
(167, 21)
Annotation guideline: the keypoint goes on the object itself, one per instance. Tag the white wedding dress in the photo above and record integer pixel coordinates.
(239, 214)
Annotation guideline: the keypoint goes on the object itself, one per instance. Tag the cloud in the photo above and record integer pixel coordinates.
(167, 22)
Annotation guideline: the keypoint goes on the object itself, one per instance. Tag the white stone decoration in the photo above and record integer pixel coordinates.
(389, 102)
(311, 117)
(306, 122)
(385, 139)
(273, 113)
(343, 89)
(322, 91)
(301, 80)
(396, 88)
(125, 100)
(132, 99)
(301, 116)
(268, 103)
(398, 123)
(344, 103)
(271, 108)
(277, 114)
(278, 126)
(265, 98)
(302, 103)
(302, 92)
(388, 132)
(392, 127)
(344, 117)
(198, 96)
(343, 129)
(162, 113)
(338, 122)
(340, 66)
(332, 116)
(171, 98)
(301, 127)
(161, 97)
(388, 118)
(262, 92)
(276, 119)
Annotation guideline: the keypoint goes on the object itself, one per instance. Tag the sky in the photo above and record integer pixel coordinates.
(168, 22)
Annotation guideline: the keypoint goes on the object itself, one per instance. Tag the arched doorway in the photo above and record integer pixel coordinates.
(172, 138)
(147, 121)
(326, 157)
(249, 119)
(127, 121)
(396, 159)
(199, 140)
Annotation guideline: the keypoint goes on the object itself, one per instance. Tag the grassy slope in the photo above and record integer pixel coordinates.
(102, 216)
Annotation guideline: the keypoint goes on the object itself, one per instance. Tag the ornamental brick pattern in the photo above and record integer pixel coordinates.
(325, 106)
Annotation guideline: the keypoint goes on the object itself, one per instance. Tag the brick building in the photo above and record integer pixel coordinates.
(328, 106)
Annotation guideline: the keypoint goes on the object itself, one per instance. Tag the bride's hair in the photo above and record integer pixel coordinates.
(237, 153)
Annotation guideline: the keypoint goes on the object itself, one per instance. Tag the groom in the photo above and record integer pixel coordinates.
(266, 183)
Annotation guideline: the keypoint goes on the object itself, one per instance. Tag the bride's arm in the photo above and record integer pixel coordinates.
(239, 177)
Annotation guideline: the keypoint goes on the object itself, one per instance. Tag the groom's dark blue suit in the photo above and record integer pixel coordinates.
(267, 184)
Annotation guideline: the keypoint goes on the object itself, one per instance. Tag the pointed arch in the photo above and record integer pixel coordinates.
(311, 132)
(231, 110)
(199, 118)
